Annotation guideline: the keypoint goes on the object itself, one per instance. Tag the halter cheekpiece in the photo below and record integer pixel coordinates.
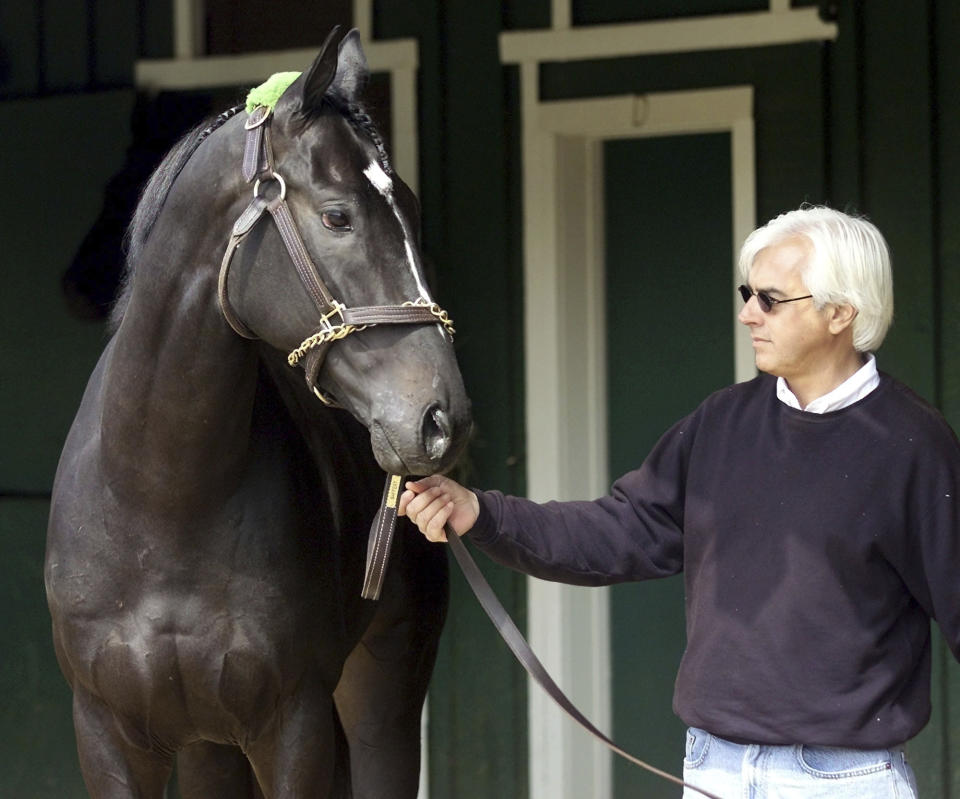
(337, 320)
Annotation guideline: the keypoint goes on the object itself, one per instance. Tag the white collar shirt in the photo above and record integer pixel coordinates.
(854, 388)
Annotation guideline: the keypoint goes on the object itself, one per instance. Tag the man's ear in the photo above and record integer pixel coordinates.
(841, 317)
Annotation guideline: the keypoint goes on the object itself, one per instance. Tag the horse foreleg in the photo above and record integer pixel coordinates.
(113, 766)
(384, 681)
(303, 753)
(207, 770)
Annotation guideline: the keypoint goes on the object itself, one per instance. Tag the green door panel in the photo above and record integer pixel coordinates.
(670, 343)
(37, 745)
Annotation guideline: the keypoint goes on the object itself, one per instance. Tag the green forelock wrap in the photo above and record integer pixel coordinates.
(268, 92)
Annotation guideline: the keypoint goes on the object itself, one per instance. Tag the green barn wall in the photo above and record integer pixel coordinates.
(54, 170)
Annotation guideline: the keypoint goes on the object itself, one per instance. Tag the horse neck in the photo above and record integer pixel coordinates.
(178, 383)
(339, 444)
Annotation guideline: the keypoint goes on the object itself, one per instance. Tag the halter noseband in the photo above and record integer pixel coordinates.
(337, 320)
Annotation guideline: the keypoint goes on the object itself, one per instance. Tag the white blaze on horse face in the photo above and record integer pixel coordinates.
(380, 179)
(382, 183)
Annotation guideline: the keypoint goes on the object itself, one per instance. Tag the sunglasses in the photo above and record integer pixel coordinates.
(764, 300)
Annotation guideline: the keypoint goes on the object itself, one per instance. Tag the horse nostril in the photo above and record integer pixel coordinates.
(436, 432)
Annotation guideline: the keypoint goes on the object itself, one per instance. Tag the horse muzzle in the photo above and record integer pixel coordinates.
(440, 438)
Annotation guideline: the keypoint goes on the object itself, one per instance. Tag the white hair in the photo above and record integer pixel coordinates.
(850, 263)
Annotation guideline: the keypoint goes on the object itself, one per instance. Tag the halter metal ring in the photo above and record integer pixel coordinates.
(272, 176)
(255, 119)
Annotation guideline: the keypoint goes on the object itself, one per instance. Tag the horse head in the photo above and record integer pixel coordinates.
(338, 282)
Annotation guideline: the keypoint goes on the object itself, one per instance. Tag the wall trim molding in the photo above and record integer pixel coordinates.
(564, 42)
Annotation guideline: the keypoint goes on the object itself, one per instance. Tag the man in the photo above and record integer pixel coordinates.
(813, 512)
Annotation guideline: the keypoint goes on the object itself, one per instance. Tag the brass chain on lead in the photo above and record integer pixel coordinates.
(442, 316)
(334, 332)
(328, 332)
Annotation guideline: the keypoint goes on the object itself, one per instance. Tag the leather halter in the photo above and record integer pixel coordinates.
(337, 320)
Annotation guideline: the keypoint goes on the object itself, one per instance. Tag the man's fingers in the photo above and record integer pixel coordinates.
(425, 519)
(431, 502)
(405, 498)
(424, 483)
(435, 531)
(412, 489)
(416, 505)
(408, 499)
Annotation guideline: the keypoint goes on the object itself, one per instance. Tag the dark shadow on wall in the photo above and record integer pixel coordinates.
(159, 120)
(91, 281)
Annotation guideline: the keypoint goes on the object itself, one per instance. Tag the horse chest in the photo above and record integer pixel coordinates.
(178, 667)
(207, 643)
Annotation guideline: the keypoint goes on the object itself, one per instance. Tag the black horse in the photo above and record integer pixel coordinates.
(209, 519)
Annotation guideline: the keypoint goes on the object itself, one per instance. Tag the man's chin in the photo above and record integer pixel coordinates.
(765, 365)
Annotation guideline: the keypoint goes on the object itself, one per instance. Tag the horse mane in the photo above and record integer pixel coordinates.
(358, 117)
(155, 191)
(152, 198)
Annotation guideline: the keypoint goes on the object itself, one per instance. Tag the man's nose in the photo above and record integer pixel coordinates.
(750, 314)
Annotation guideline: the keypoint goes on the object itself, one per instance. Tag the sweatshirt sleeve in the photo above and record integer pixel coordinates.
(932, 547)
(632, 533)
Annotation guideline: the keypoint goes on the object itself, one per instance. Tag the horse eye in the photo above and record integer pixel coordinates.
(335, 220)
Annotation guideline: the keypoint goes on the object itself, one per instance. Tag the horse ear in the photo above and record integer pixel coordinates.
(341, 70)
(320, 75)
(352, 70)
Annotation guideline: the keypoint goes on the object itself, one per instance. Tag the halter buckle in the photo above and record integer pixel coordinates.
(327, 332)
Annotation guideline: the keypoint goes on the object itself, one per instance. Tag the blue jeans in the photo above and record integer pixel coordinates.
(735, 771)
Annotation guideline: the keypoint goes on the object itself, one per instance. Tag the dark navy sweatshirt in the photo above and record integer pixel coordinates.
(815, 550)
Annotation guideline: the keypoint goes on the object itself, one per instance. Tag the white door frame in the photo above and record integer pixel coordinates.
(565, 362)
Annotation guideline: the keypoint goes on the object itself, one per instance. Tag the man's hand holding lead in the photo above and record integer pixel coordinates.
(435, 501)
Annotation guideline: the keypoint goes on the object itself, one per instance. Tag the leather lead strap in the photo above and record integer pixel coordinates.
(522, 651)
(381, 536)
